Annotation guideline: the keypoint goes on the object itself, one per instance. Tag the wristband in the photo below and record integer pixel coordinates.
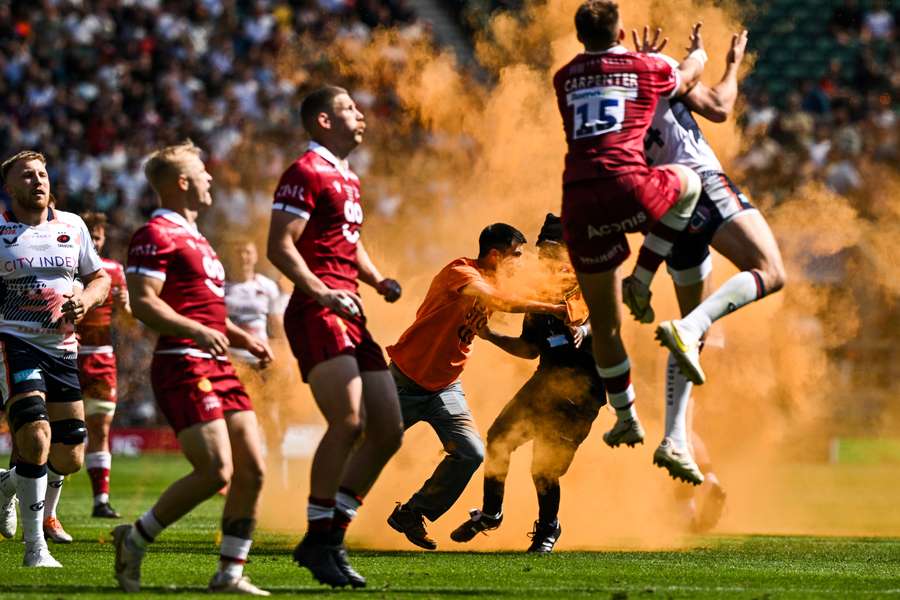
(700, 56)
(584, 331)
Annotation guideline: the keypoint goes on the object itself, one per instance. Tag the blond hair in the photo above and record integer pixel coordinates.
(166, 164)
(25, 155)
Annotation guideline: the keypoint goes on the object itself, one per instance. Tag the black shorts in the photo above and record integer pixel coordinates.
(26, 368)
(720, 201)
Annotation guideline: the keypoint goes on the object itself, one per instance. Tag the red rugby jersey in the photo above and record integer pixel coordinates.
(95, 330)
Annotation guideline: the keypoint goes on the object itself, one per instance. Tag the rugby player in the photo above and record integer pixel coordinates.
(97, 370)
(314, 240)
(42, 251)
(555, 408)
(606, 96)
(175, 283)
(429, 358)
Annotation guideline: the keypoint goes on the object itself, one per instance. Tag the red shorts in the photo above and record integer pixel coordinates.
(597, 213)
(316, 334)
(191, 390)
(97, 373)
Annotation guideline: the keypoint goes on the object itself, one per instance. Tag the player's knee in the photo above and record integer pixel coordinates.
(691, 188)
(471, 452)
(216, 474)
(546, 479)
(66, 460)
(349, 428)
(69, 432)
(250, 477)
(774, 276)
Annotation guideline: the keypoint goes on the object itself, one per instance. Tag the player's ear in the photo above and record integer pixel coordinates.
(183, 183)
(621, 35)
(323, 120)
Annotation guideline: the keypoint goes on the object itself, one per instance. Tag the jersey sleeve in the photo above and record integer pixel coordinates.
(459, 276)
(117, 275)
(664, 73)
(296, 193)
(88, 259)
(150, 253)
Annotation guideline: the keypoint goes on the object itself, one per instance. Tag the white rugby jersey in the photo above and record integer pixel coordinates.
(249, 303)
(675, 138)
(38, 266)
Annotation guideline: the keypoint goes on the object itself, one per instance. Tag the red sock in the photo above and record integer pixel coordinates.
(99, 480)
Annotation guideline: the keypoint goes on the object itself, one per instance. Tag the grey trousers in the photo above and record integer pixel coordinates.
(448, 414)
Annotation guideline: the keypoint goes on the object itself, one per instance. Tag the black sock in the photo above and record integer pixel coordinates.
(548, 501)
(493, 496)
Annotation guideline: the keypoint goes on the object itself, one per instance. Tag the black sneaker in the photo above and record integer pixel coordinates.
(544, 537)
(105, 511)
(340, 558)
(478, 522)
(317, 554)
(411, 523)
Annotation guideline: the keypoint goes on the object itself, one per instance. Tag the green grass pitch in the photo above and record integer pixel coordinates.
(180, 564)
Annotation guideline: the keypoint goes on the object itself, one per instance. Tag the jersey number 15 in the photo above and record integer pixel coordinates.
(596, 113)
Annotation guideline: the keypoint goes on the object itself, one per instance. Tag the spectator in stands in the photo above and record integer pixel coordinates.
(846, 22)
(878, 22)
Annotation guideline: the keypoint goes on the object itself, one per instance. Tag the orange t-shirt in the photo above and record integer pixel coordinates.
(434, 349)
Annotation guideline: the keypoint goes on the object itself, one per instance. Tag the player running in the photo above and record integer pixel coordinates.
(175, 282)
(555, 408)
(42, 251)
(429, 358)
(314, 239)
(606, 97)
(725, 219)
(97, 371)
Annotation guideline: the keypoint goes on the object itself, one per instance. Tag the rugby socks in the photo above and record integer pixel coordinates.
(98, 465)
(31, 487)
(492, 504)
(319, 516)
(741, 289)
(54, 489)
(678, 398)
(235, 546)
(145, 530)
(347, 503)
(619, 390)
(548, 494)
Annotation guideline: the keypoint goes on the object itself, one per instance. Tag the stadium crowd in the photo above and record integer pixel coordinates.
(97, 84)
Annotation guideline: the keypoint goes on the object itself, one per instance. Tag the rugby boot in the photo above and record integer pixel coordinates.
(544, 537)
(342, 561)
(636, 296)
(128, 559)
(104, 511)
(678, 462)
(38, 555)
(478, 522)
(684, 347)
(7, 510)
(625, 431)
(222, 584)
(711, 509)
(411, 523)
(53, 531)
(316, 553)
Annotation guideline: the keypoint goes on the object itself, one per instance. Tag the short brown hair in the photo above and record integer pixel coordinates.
(25, 155)
(94, 219)
(166, 163)
(597, 23)
(319, 101)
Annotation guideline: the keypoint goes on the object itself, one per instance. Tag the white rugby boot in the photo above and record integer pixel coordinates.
(7, 512)
(678, 462)
(37, 555)
(684, 347)
(625, 431)
(636, 296)
(53, 531)
(238, 585)
(128, 560)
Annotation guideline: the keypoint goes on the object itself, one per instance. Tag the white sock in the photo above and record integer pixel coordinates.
(97, 460)
(678, 398)
(31, 492)
(233, 554)
(347, 504)
(54, 489)
(8, 483)
(145, 530)
(741, 289)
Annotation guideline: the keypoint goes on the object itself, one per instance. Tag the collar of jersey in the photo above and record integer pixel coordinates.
(11, 217)
(341, 165)
(614, 50)
(174, 217)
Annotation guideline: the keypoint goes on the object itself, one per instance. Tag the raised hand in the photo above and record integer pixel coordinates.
(646, 46)
(696, 38)
(738, 47)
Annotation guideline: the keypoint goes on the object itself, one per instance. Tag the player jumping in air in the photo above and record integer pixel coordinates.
(429, 358)
(97, 368)
(44, 250)
(175, 282)
(555, 408)
(606, 96)
(314, 239)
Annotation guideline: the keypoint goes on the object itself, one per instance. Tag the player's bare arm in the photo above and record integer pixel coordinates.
(388, 288)
(691, 67)
(121, 300)
(516, 346)
(249, 342)
(156, 314)
(716, 103)
(500, 301)
(284, 231)
(96, 289)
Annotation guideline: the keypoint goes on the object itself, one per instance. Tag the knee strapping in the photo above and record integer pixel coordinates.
(678, 216)
(27, 410)
(68, 431)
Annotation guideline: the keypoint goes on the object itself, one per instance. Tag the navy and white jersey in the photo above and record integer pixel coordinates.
(38, 267)
(675, 138)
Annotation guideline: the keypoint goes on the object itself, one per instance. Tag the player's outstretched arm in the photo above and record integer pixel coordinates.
(500, 301)
(691, 67)
(284, 230)
(369, 274)
(156, 314)
(96, 289)
(717, 103)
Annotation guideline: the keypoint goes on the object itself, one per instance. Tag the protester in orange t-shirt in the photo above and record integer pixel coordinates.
(430, 356)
